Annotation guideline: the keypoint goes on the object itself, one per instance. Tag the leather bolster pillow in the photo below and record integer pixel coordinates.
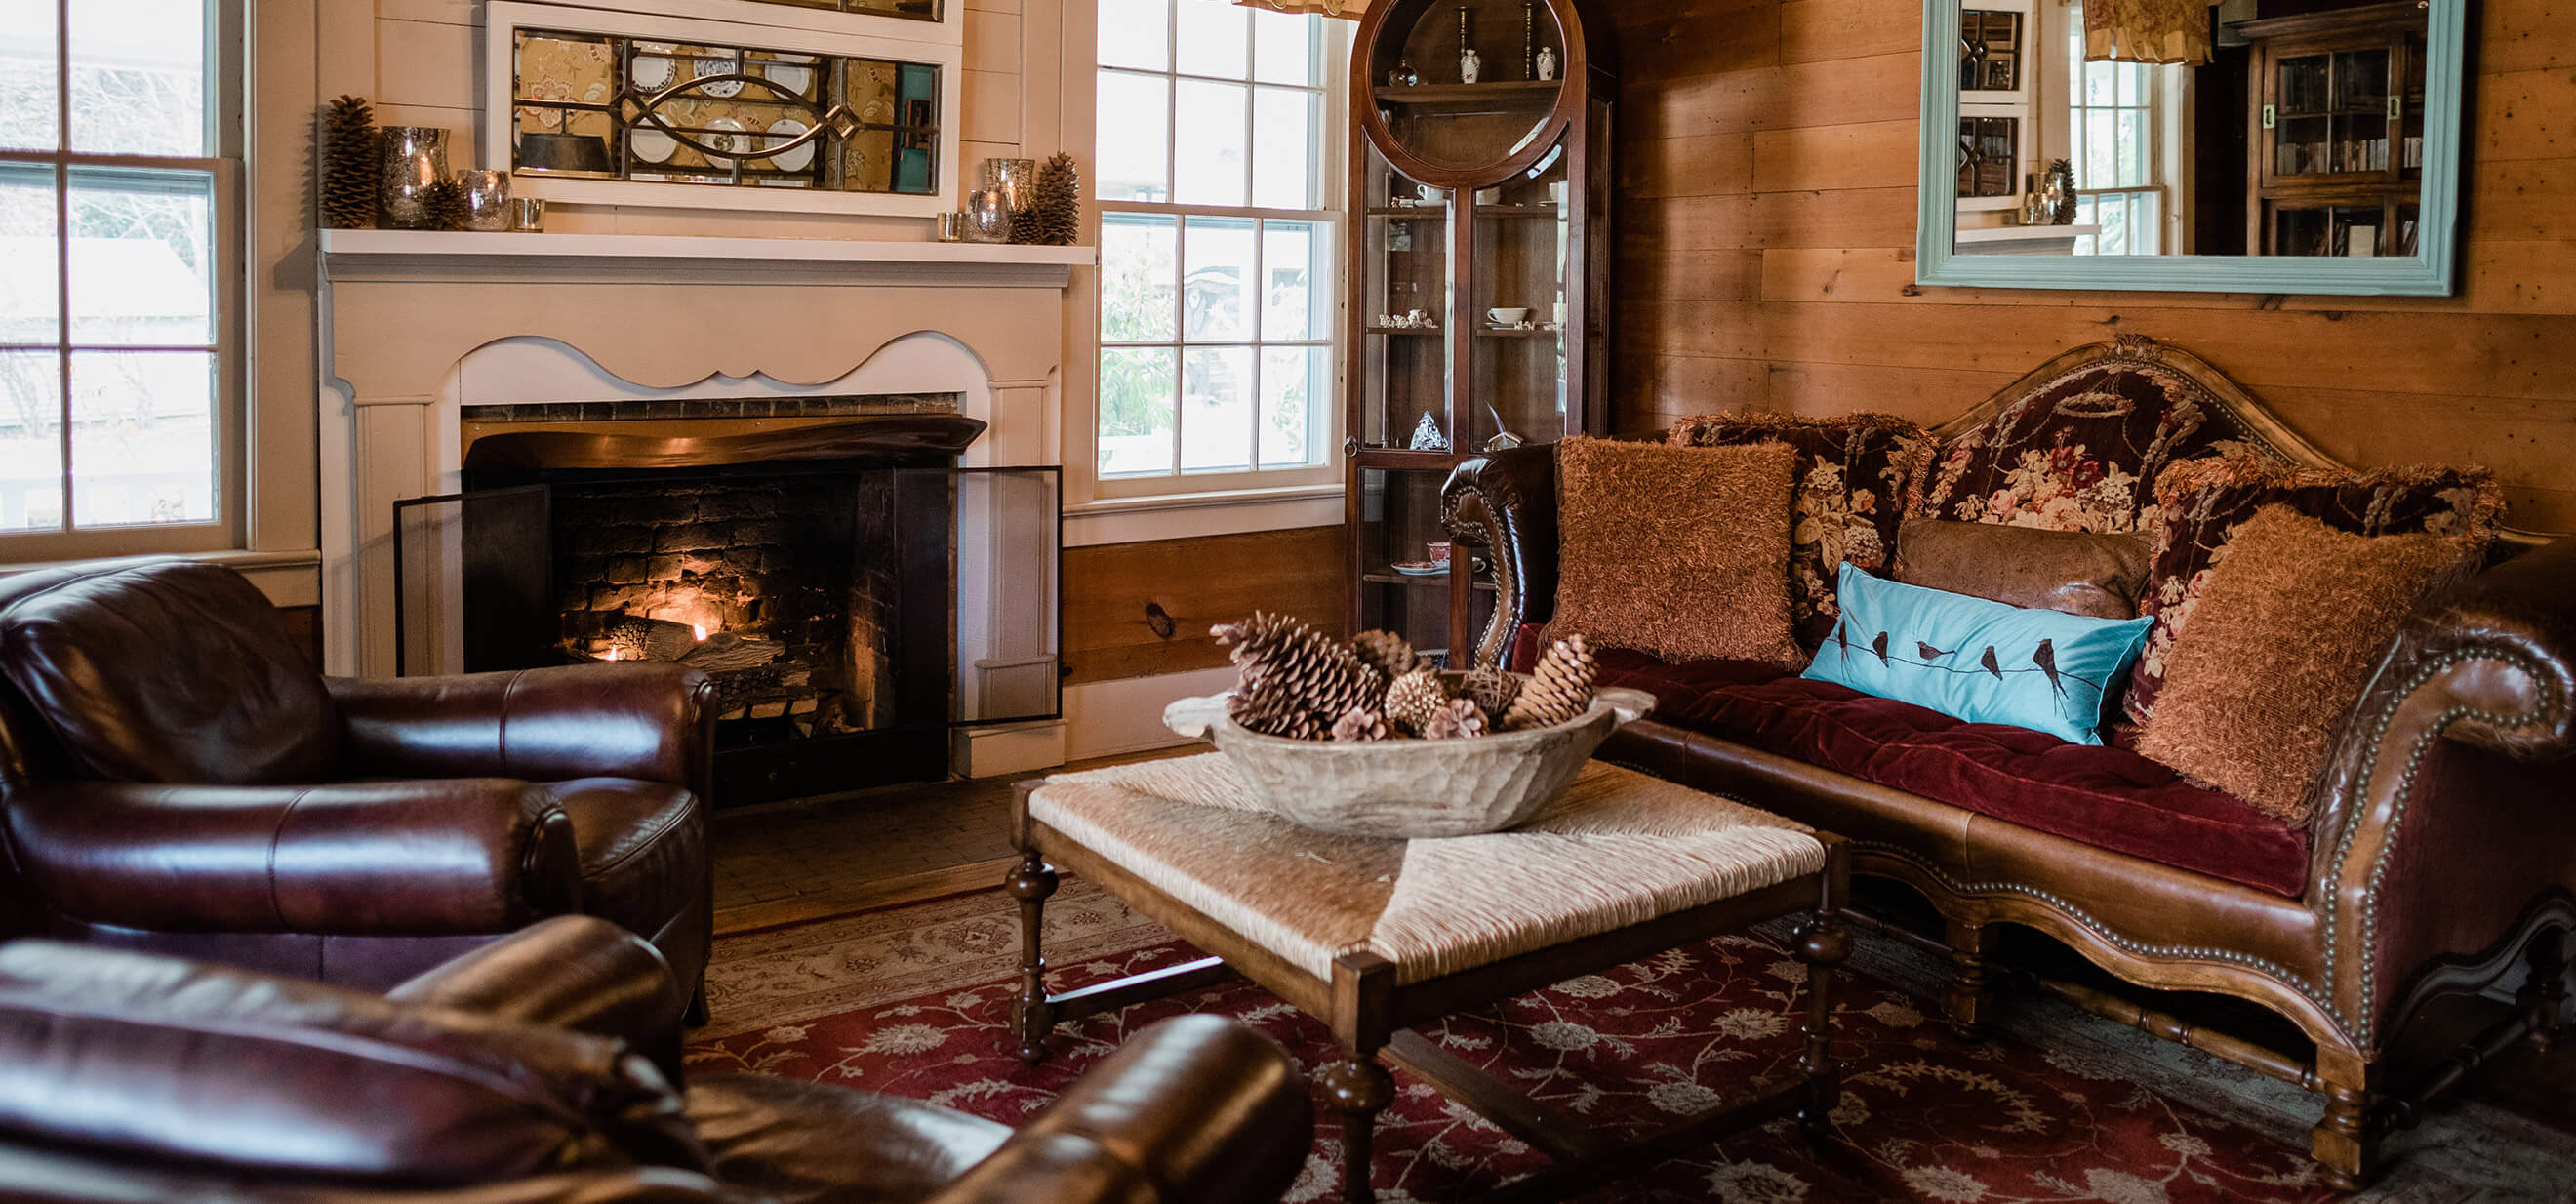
(177, 1061)
(477, 856)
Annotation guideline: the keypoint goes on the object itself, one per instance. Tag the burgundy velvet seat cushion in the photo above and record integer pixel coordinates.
(2107, 797)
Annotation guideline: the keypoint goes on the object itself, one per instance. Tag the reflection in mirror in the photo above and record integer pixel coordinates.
(2172, 128)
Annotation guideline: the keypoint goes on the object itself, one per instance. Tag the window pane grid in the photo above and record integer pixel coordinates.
(1217, 245)
(114, 216)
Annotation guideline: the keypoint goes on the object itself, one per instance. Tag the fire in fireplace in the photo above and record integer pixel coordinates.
(814, 573)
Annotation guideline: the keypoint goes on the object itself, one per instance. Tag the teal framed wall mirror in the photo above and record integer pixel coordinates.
(2315, 150)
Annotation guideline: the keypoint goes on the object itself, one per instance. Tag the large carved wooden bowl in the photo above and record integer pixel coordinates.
(1411, 789)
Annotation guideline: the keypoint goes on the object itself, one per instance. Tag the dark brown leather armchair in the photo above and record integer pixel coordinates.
(504, 1077)
(175, 777)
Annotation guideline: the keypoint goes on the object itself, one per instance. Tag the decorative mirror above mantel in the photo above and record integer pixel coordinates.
(614, 108)
(2251, 146)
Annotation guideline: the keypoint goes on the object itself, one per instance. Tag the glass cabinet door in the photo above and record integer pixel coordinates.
(1404, 311)
(1519, 307)
(2333, 113)
(1403, 587)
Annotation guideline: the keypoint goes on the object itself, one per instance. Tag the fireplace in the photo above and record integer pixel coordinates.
(815, 572)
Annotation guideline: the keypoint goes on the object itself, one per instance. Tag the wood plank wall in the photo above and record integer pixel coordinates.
(1109, 632)
(1766, 165)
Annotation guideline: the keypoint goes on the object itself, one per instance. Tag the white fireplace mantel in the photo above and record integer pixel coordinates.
(402, 312)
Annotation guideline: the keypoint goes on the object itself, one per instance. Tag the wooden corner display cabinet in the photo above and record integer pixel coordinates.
(2337, 143)
(1479, 276)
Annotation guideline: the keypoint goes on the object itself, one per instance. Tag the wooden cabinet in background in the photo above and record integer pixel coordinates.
(1479, 275)
(2337, 135)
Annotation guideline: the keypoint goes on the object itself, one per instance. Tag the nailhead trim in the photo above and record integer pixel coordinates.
(2368, 1022)
(2079, 915)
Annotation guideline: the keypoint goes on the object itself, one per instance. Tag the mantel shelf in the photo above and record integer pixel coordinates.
(374, 254)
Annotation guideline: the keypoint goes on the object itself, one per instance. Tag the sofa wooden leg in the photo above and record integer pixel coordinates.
(2346, 1141)
(1357, 1088)
(2545, 996)
(1968, 1003)
(696, 1016)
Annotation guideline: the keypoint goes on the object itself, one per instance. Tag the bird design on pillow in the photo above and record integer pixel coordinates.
(2043, 658)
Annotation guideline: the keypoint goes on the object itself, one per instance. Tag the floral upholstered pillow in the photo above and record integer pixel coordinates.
(2204, 502)
(2079, 453)
(1848, 496)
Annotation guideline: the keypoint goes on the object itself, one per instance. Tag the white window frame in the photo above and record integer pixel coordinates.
(1219, 487)
(2167, 109)
(225, 167)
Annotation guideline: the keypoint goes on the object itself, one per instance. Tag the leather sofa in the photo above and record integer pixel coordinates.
(2441, 846)
(176, 777)
(504, 1077)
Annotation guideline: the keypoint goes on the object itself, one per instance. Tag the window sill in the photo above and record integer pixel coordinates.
(288, 578)
(1192, 515)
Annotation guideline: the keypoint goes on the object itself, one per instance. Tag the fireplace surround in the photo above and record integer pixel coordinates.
(425, 338)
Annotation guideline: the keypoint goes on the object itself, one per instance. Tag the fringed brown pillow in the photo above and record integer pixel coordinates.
(2201, 503)
(2285, 635)
(1679, 552)
(1850, 494)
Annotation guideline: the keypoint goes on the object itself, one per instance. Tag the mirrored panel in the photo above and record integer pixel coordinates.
(600, 106)
(2202, 137)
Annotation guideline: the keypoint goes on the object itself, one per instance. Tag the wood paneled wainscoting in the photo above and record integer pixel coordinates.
(1142, 609)
(1766, 218)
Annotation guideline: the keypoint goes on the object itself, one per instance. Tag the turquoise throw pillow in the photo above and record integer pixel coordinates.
(1981, 661)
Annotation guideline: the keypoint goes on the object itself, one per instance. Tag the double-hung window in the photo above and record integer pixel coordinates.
(1218, 168)
(120, 171)
(2123, 130)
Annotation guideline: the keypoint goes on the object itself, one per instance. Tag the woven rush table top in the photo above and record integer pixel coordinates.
(1620, 848)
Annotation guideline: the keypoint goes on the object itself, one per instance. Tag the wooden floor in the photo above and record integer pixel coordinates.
(810, 859)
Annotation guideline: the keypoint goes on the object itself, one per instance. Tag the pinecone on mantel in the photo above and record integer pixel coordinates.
(1054, 215)
(345, 167)
(447, 206)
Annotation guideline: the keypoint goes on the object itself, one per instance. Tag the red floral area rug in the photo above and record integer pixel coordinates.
(1921, 1117)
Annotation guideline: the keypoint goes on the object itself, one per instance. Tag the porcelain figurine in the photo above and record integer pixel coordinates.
(1547, 62)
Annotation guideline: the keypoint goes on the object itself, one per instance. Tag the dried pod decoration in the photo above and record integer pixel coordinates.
(1459, 719)
(1493, 688)
(1360, 725)
(1054, 215)
(1388, 653)
(1296, 681)
(1559, 690)
(1411, 700)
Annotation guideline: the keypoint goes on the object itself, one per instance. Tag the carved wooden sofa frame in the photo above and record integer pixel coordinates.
(2444, 850)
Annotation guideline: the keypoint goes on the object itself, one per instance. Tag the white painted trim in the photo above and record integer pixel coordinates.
(1014, 748)
(1191, 516)
(1108, 718)
(950, 27)
(502, 18)
(346, 247)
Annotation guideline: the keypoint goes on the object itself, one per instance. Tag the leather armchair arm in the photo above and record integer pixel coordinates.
(1196, 1108)
(577, 972)
(456, 857)
(1505, 502)
(2451, 768)
(653, 722)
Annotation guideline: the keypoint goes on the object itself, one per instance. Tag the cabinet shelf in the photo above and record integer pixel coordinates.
(1517, 334)
(1440, 213)
(1392, 330)
(1387, 576)
(1475, 93)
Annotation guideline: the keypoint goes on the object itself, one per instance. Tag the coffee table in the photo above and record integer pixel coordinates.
(1373, 937)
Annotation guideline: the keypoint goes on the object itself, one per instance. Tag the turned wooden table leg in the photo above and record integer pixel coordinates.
(1969, 1001)
(1823, 943)
(1357, 1088)
(1032, 1016)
